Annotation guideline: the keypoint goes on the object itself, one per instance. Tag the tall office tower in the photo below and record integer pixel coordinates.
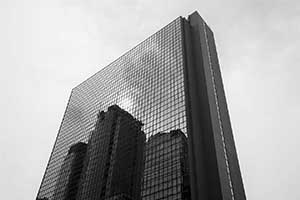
(114, 161)
(170, 81)
(69, 177)
(166, 174)
(214, 167)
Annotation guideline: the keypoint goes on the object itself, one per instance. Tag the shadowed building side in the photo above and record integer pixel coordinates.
(215, 172)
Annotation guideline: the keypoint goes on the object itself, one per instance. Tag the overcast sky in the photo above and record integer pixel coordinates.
(48, 47)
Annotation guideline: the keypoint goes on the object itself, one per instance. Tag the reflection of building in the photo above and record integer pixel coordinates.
(170, 81)
(114, 161)
(166, 173)
(67, 184)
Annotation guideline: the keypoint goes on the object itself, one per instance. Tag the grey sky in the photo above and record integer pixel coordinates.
(48, 47)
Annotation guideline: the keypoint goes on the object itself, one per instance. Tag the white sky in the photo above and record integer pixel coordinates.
(48, 47)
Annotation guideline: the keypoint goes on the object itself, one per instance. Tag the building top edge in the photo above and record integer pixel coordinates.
(124, 54)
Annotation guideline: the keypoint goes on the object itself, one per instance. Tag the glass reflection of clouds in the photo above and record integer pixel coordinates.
(125, 103)
(147, 82)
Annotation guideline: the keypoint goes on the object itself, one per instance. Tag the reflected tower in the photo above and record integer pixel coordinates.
(69, 177)
(166, 174)
(114, 161)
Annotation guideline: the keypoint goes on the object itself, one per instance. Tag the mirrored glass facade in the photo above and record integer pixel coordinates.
(147, 82)
(151, 125)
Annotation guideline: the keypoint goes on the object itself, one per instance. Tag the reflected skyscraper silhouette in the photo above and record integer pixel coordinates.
(166, 174)
(69, 177)
(114, 160)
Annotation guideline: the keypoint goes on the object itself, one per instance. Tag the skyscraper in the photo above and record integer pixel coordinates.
(168, 82)
(166, 174)
(66, 187)
(113, 164)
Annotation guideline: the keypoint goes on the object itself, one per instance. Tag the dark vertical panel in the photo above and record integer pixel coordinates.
(235, 172)
(204, 112)
(209, 128)
(195, 136)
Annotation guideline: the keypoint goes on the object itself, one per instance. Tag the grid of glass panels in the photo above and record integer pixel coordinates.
(147, 82)
(165, 173)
